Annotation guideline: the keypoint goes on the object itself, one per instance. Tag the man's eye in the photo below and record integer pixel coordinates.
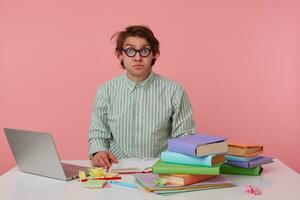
(144, 50)
(130, 50)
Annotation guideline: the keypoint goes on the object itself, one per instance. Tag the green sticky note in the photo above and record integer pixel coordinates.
(93, 184)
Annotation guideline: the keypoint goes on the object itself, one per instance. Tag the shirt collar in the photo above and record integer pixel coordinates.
(145, 84)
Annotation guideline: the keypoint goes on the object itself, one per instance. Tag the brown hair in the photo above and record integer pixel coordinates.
(136, 31)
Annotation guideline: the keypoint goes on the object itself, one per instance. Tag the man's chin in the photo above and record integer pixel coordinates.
(139, 73)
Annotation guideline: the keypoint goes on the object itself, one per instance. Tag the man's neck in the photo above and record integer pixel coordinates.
(136, 78)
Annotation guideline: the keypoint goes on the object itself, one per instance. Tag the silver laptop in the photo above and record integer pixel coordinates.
(35, 153)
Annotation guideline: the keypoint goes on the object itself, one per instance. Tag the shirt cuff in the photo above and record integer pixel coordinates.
(98, 145)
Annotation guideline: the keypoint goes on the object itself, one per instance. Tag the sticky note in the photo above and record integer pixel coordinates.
(97, 172)
(93, 184)
(82, 175)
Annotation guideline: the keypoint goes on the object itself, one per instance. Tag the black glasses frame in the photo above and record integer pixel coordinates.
(137, 51)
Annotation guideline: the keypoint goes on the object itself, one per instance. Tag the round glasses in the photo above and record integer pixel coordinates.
(131, 52)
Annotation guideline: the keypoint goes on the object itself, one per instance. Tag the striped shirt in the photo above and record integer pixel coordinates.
(135, 120)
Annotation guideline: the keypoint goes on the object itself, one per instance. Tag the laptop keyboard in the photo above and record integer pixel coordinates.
(72, 171)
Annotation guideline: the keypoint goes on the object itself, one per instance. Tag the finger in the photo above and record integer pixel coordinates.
(96, 161)
(105, 160)
(112, 157)
(102, 164)
(93, 163)
(99, 160)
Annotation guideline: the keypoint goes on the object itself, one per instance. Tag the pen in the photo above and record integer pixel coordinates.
(130, 185)
(108, 178)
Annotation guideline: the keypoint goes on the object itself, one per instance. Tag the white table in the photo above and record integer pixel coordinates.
(277, 181)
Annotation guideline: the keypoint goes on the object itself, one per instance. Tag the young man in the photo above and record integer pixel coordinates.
(135, 114)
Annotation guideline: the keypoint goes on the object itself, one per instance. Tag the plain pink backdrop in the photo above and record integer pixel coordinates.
(238, 60)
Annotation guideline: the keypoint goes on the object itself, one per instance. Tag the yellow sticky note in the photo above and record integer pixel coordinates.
(97, 172)
(82, 175)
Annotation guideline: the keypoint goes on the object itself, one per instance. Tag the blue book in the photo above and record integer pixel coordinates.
(198, 145)
(179, 158)
(240, 158)
(251, 164)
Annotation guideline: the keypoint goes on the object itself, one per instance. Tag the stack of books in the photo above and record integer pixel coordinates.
(244, 159)
(190, 163)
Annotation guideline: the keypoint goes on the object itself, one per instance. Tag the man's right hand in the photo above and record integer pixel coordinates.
(103, 159)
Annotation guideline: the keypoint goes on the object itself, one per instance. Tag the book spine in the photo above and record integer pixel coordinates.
(179, 158)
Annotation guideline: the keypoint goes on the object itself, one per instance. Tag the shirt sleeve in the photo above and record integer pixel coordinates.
(99, 132)
(182, 119)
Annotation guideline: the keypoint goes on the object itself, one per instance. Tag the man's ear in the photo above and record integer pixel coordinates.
(120, 57)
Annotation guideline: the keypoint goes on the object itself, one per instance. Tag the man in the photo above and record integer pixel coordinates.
(135, 114)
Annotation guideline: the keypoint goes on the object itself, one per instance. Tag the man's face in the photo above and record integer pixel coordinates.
(137, 66)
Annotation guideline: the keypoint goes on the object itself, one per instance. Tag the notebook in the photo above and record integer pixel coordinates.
(35, 153)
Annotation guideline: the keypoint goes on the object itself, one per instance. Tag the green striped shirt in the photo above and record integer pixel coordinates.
(135, 120)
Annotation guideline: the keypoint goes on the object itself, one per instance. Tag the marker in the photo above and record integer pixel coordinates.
(130, 185)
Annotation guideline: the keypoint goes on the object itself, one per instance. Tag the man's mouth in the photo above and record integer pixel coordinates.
(137, 66)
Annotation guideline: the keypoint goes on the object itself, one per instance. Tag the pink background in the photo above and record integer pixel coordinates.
(238, 60)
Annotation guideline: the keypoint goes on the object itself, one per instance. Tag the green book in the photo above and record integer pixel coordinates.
(228, 169)
(169, 168)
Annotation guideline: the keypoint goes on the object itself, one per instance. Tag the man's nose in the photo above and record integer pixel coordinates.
(137, 56)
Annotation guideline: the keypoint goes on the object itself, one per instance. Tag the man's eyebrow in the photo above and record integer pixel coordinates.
(133, 45)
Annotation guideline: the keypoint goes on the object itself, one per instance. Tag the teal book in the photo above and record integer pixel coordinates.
(228, 169)
(179, 158)
(169, 168)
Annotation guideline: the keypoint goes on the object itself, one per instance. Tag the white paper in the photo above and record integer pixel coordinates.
(135, 163)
